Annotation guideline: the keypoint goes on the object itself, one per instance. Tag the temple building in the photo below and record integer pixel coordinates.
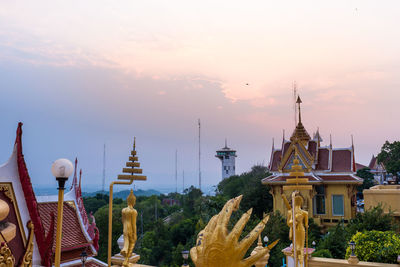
(28, 222)
(378, 170)
(330, 171)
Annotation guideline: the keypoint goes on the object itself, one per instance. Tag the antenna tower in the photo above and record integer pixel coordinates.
(294, 102)
(104, 168)
(199, 158)
(183, 181)
(176, 171)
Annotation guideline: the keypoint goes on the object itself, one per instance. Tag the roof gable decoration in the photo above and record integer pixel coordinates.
(306, 160)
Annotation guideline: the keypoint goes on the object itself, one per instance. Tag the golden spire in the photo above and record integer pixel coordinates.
(300, 132)
(298, 103)
(132, 165)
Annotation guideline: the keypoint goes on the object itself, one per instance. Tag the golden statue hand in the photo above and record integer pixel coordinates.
(216, 247)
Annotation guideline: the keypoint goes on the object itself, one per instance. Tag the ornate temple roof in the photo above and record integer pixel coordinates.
(322, 164)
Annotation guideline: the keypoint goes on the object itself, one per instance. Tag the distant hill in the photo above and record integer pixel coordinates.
(124, 193)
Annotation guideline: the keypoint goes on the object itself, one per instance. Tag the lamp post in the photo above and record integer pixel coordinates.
(185, 256)
(353, 258)
(61, 169)
(83, 257)
(352, 245)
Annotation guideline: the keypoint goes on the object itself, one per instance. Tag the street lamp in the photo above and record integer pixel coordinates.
(352, 245)
(83, 257)
(266, 240)
(185, 256)
(61, 169)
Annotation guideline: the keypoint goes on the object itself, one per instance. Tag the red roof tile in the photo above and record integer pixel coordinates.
(372, 164)
(73, 240)
(286, 147)
(312, 148)
(323, 159)
(276, 159)
(341, 161)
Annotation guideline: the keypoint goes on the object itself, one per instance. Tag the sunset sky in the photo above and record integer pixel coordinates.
(79, 74)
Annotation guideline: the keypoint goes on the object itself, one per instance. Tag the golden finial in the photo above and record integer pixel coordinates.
(132, 167)
(299, 102)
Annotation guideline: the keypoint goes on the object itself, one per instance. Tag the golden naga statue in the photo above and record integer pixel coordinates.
(299, 224)
(216, 247)
(129, 215)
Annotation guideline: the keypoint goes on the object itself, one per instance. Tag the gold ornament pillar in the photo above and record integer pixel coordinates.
(132, 170)
(297, 218)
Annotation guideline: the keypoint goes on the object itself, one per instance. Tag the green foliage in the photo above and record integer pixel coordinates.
(323, 253)
(92, 204)
(101, 217)
(314, 232)
(248, 184)
(368, 179)
(390, 156)
(372, 219)
(376, 246)
(277, 228)
(335, 241)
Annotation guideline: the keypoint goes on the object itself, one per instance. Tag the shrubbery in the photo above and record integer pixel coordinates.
(376, 246)
(323, 253)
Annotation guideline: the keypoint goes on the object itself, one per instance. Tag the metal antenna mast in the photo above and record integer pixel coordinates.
(183, 181)
(176, 171)
(294, 102)
(104, 168)
(199, 158)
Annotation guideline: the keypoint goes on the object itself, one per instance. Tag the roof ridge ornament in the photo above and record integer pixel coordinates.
(300, 132)
(298, 103)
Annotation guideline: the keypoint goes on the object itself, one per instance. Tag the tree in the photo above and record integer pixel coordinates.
(372, 219)
(390, 156)
(368, 179)
(101, 216)
(248, 184)
(335, 241)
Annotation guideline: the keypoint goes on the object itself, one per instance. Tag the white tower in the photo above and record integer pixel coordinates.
(227, 157)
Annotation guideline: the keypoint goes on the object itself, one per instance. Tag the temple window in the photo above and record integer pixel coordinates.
(319, 200)
(337, 205)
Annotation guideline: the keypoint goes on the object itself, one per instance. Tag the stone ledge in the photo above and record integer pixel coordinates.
(328, 262)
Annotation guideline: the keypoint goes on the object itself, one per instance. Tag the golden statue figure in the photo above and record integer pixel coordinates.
(216, 247)
(129, 215)
(299, 224)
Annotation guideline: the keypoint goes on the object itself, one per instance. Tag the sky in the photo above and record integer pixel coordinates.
(81, 74)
